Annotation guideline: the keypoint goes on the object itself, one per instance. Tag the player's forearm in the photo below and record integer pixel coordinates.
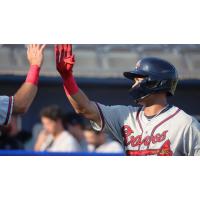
(81, 103)
(27, 92)
(64, 63)
(24, 97)
(79, 100)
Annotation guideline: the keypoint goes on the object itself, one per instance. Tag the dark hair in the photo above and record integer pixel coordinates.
(52, 112)
(74, 119)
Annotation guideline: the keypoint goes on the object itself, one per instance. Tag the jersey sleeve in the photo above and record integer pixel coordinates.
(192, 140)
(112, 119)
(6, 107)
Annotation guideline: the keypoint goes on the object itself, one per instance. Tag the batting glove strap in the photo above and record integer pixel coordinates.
(70, 86)
(33, 75)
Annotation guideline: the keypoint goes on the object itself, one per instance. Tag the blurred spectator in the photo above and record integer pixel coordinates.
(54, 137)
(100, 142)
(75, 124)
(12, 137)
(37, 128)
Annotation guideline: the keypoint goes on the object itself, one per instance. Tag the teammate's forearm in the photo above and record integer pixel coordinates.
(24, 97)
(27, 92)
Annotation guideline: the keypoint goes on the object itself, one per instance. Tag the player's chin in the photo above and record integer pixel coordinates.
(139, 102)
(143, 100)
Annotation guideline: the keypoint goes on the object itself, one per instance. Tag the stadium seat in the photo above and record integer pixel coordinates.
(49, 66)
(174, 57)
(86, 62)
(7, 62)
(105, 60)
(193, 60)
(21, 63)
(119, 61)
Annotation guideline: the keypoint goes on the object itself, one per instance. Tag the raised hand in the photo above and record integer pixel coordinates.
(64, 59)
(79, 101)
(35, 54)
(27, 92)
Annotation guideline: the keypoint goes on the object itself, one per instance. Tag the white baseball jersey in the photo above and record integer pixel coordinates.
(6, 106)
(65, 142)
(110, 146)
(173, 132)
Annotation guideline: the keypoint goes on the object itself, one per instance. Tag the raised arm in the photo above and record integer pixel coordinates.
(80, 102)
(27, 92)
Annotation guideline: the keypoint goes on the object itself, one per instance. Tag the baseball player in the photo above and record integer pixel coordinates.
(154, 127)
(21, 101)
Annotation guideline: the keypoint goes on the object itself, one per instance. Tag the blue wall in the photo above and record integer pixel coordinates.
(106, 91)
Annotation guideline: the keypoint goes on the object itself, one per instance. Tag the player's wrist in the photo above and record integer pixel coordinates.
(70, 85)
(33, 74)
(66, 75)
(36, 63)
(35, 66)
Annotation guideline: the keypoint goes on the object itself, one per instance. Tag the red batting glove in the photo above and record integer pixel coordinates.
(64, 63)
(64, 60)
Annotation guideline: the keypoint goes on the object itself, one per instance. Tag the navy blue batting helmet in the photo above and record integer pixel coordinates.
(159, 76)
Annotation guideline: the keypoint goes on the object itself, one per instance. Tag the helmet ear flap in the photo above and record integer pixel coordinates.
(163, 82)
(151, 84)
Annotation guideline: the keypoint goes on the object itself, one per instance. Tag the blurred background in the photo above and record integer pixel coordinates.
(98, 71)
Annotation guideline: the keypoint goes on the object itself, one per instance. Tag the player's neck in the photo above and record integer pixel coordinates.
(153, 108)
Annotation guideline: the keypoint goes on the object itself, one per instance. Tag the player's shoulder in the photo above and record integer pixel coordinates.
(128, 108)
(3, 98)
(120, 108)
(184, 117)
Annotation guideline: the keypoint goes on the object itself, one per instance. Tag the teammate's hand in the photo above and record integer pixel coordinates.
(35, 54)
(41, 139)
(64, 60)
